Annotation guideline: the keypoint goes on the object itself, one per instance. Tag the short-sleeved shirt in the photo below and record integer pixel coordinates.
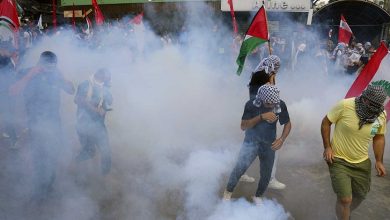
(263, 131)
(349, 142)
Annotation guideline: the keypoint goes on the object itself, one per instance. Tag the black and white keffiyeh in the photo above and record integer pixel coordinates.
(270, 64)
(261, 65)
(267, 94)
(276, 62)
(368, 113)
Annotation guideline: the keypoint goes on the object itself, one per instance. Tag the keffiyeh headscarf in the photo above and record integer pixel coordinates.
(267, 94)
(270, 64)
(368, 113)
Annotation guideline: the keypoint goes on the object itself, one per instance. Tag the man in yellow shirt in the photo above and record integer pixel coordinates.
(357, 121)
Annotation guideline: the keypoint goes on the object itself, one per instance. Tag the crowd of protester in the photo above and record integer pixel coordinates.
(42, 83)
(330, 56)
(34, 94)
(333, 57)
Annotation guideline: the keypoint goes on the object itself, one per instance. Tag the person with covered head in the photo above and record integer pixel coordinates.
(94, 100)
(269, 66)
(358, 121)
(259, 123)
(265, 73)
(367, 46)
(41, 86)
(359, 48)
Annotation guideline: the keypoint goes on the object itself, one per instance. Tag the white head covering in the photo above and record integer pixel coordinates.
(270, 64)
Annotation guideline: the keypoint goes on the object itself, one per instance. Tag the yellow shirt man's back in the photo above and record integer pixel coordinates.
(348, 142)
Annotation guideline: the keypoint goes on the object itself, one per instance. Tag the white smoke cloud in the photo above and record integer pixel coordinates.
(174, 129)
(241, 209)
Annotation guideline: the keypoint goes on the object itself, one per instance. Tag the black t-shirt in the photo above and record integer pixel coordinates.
(263, 131)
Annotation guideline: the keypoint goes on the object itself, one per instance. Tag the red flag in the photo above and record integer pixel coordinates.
(345, 31)
(368, 72)
(73, 19)
(99, 19)
(235, 28)
(54, 14)
(9, 15)
(137, 19)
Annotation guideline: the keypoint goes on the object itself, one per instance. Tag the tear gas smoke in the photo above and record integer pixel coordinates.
(174, 129)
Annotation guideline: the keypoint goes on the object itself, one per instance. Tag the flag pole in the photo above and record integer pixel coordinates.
(234, 22)
(269, 47)
(269, 41)
(54, 15)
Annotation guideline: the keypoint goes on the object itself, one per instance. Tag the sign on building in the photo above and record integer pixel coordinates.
(270, 5)
(77, 14)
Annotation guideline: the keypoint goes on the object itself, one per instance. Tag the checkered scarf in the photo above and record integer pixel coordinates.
(376, 95)
(267, 94)
(270, 64)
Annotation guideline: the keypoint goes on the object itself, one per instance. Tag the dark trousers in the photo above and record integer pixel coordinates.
(93, 135)
(247, 155)
(46, 146)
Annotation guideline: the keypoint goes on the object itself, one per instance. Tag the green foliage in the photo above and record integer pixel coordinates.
(384, 83)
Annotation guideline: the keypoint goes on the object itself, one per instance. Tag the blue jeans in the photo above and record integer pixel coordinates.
(247, 155)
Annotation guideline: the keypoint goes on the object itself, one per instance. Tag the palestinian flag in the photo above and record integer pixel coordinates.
(257, 34)
(9, 15)
(9, 23)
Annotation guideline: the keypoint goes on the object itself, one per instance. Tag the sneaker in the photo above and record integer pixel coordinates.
(246, 178)
(275, 184)
(5, 135)
(257, 200)
(227, 196)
